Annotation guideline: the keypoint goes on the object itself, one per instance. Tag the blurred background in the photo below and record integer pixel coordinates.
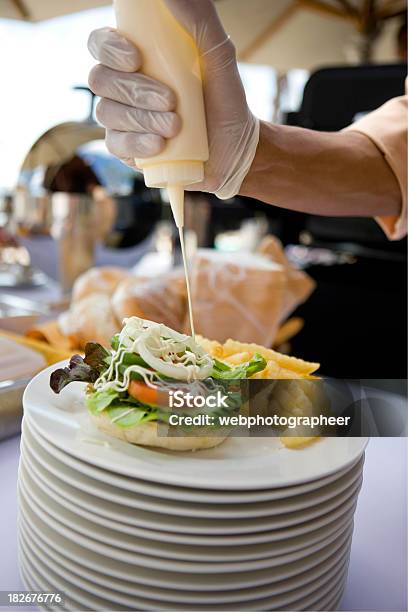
(314, 63)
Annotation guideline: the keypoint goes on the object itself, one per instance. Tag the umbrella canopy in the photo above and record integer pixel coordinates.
(38, 10)
(60, 143)
(308, 33)
(282, 33)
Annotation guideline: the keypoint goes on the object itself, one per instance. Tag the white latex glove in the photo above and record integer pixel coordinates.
(140, 113)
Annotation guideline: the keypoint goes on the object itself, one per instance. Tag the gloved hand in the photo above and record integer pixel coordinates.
(140, 113)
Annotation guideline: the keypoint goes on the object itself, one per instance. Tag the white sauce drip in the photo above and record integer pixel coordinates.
(189, 300)
(176, 197)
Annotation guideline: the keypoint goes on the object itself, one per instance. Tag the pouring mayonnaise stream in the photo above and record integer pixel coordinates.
(170, 56)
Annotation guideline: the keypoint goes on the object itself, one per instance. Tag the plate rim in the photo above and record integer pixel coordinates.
(127, 530)
(195, 508)
(222, 566)
(208, 526)
(341, 570)
(336, 526)
(293, 532)
(211, 582)
(342, 552)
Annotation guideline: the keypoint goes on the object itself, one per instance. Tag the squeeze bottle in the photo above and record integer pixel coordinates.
(170, 56)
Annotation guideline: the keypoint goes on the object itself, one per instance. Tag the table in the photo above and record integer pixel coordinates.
(378, 567)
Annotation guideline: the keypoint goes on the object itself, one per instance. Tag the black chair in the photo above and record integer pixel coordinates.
(333, 97)
(357, 315)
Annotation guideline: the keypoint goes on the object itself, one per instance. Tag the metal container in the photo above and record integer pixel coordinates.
(74, 227)
(11, 407)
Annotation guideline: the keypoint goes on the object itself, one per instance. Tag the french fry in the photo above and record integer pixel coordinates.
(278, 366)
(273, 371)
(284, 361)
(238, 358)
(212, 347)
(290, 328)
(297, 442)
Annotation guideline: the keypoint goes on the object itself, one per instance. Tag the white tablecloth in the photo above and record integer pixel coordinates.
(378, 568)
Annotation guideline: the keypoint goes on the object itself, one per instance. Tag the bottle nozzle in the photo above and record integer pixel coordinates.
(176, 197)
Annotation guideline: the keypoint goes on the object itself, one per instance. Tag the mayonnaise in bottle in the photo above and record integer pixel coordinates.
(170, 56)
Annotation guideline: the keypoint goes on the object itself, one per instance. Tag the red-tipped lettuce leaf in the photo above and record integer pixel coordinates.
(79, 369)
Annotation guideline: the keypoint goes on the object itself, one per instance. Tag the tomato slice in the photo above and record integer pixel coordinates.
(147, 395)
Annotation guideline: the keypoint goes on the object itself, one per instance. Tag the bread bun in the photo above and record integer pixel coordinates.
(161, 299)
(98, 280)
(89, 319)
(147, 435)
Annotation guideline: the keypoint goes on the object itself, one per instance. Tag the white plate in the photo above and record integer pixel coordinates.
(327, 604)
(274, 555)
(84, 502)
(104, 528)
(58, 573)
(332, 604)
(168, 579)
(287, 590)
(183, 494)
(307, 582)
(284, 588)
(192, 525)
(81, 593)
(66, 471)
(81, 531)
(238, 464)
(165, 567)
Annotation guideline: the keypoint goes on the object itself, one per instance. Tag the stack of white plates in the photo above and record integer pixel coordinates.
(249, 525)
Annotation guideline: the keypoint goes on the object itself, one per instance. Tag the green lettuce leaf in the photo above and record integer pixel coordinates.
(220, 366)
(126, 416)
(222, 371)
(115, 342)
(98, 401)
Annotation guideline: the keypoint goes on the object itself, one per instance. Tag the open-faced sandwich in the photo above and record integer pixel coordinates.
(129, 385)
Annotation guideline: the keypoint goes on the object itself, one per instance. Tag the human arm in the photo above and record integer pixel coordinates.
(322, 173)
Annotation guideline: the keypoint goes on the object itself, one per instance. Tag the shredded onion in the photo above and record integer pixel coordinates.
(166, 351)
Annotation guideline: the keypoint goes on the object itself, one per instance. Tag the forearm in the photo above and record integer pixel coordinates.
(322, 173)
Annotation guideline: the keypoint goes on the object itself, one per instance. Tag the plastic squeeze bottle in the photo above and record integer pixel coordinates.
(170, 56)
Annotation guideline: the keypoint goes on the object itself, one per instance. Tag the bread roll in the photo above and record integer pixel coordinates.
(147, 435)
(161, 299)
(89, 319)
(98, 280)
